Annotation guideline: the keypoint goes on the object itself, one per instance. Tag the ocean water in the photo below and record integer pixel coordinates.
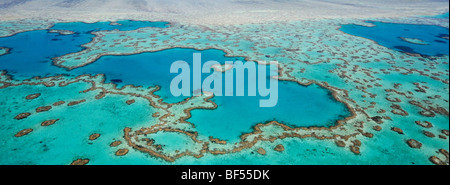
(150, 69)
(440, 16)
(31, 55)
(123, 25)
(66, 140)
(430, 38)
(32, 52)
(298, 106)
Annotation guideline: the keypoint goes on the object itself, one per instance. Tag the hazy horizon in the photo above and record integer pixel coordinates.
(217, 11)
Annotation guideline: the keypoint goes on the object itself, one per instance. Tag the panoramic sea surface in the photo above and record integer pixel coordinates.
(30, 54)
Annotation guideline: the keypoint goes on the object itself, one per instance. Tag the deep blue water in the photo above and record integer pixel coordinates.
(389, 35)
(31, 52)
(298, 106)
(125, 25)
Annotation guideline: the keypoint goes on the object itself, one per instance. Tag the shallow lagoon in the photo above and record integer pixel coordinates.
(440, 16)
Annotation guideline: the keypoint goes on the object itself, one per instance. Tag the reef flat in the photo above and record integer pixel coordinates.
(95, 97)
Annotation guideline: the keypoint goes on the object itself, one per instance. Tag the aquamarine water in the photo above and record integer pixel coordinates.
(32, 52)
(390, 34)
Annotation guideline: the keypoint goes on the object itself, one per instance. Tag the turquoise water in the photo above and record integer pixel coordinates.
(150, 69)
(67, 139)
(440, 16)
(390, 34)
(298, 106)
